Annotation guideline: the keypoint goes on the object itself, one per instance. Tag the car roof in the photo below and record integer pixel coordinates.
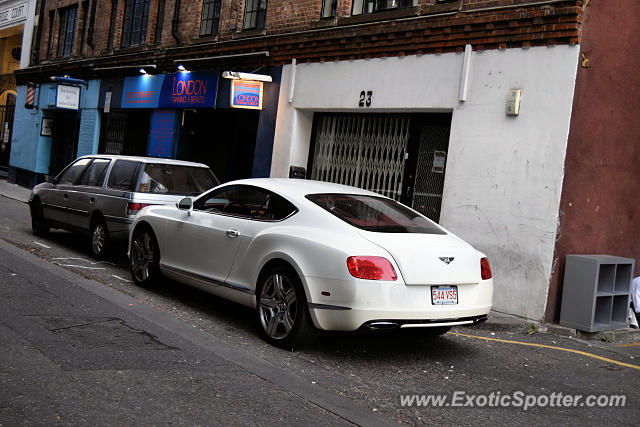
(298, 188)
(157, 160)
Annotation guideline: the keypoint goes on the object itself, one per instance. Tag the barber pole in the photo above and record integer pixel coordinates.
(31, 96)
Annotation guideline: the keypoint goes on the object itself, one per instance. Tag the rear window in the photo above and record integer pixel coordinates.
(122, 175)
(158, 178)
(373, 213)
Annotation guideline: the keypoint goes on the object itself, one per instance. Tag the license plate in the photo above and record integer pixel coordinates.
(444, 295)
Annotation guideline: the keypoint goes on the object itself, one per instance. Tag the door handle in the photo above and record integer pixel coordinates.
(92, 200)
(66, 196)
(233, 233)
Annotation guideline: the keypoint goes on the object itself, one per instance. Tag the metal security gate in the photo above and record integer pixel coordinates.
(6, 130)
(429, 170)
(401, 156)
(112, 134)
(362, 151)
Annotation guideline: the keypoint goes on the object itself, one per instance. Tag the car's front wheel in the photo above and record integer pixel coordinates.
(39, 225)
(282, 313)
(99, 239)
(144, 258)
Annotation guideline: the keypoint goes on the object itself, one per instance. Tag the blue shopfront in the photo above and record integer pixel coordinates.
(186, 116)
(190, 116)
(53, 123)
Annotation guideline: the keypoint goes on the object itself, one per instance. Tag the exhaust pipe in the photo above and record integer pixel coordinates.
(379, 326)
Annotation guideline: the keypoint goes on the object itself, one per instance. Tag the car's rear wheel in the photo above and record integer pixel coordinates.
(99, 239)
(39, 225)
(144, 258)
(282, 312)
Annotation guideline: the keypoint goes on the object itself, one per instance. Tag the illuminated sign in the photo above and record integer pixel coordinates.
(68, 97)
(142, 92)
(246, 94)
(189, 90)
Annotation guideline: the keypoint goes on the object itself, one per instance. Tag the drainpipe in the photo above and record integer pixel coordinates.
(176, 21)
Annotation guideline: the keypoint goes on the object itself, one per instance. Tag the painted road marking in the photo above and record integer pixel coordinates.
(569, 350)
(43, 245)
(124, 280)
(633, 344)
(91, 265)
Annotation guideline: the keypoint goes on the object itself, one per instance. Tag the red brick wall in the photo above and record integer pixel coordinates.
(294, 29)
(600, 206)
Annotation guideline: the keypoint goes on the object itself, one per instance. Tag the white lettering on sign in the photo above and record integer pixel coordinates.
(14, 13)
(68, 97)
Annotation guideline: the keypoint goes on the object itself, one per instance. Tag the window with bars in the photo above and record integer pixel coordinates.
(371, 6)
(134, 29)
(329, 8)
(67, 30)
(255, 13)
(210, 17)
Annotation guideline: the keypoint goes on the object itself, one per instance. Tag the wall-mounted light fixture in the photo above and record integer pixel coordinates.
(182, 69)
(142, 71)
(235, 75)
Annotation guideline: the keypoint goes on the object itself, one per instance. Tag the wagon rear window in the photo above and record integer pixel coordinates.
(162, 178)
(372, 213)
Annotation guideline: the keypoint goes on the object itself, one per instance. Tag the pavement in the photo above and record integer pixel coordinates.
(497, 321)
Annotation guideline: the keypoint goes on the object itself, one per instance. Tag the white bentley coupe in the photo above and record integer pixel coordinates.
(311, 256)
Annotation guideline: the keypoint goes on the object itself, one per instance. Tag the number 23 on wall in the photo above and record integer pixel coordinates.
(365, 98)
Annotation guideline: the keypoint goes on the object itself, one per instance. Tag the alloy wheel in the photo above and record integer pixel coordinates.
(142, 256)
(277, 306)
(98, 239)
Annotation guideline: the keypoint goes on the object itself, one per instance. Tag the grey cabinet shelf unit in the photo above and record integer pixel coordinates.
(595, 294)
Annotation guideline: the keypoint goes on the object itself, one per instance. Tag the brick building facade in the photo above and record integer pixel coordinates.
(425, 78)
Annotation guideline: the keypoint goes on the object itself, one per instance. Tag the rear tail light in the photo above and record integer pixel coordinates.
(371, 268)
(485, 269)
(133, 208)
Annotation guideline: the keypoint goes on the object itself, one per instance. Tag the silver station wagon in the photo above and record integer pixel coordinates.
(101, 194)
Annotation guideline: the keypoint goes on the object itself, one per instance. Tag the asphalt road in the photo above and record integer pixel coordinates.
(82, 344)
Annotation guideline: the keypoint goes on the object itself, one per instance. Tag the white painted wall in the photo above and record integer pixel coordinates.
(504, 174)
(26, 18)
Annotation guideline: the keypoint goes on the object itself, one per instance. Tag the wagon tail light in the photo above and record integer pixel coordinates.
(485, 269)
(134, 208)
(371, 268)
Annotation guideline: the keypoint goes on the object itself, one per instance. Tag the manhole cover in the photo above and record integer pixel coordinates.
(101, 332)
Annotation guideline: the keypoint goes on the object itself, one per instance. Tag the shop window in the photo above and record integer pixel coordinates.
(372, 6)
(255, 13)
(134, 29)
(210, 17)
(67, 30)
(329, 8)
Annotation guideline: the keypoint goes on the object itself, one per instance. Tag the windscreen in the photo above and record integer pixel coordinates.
(159, 178)
(373, 213)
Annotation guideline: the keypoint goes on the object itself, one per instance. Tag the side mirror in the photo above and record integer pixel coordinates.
(185, 204)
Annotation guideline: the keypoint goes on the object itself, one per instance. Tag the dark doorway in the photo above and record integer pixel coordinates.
(224, 139)
(64, 140)
(125, 132)
(6, 131)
